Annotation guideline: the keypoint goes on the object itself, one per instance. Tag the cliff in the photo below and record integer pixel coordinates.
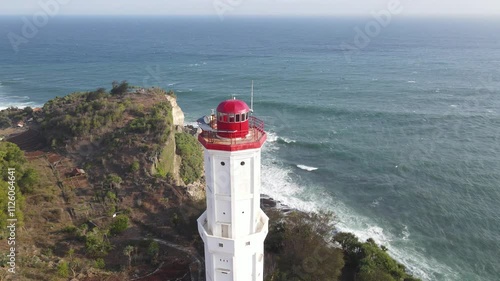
(110, 174)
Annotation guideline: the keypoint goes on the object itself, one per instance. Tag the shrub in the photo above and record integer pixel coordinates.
(63, 269)
(134, 167)
(192, 158)
(95, 244)
(5, 122)
(153, 251)
(370, 261)
(99, 263)
(119, 89)
(299, 241)
(119, 225)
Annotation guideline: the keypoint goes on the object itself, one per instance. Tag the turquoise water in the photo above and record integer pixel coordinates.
(404, 136)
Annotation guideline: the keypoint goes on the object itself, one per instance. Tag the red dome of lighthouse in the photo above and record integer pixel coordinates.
(231, 128)
(232, 119)
(233, 106)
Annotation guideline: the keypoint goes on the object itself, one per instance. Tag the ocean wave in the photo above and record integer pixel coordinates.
(285, 140)
(307, 168)
(191, 123)
(278, 182)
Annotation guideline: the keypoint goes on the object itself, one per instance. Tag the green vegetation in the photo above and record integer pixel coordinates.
(135, 166)
(119, 225)
(99, 263)
(192, 158)
(302, 246)
(22, 177)
(12, 115)
(120, 89)
(298, 242)
(96, 243)
(63, 269)
(127, 251)
(153, 251)
(370, 261)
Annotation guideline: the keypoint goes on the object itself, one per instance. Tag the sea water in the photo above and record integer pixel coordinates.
(400, 138)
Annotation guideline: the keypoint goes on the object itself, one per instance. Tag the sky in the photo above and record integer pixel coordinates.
(251, 7)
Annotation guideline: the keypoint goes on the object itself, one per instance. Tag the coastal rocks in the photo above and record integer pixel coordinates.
(196, 190)
(268, 203)
(177, 113)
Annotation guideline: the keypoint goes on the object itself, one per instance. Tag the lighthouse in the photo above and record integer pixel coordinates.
(233, 227)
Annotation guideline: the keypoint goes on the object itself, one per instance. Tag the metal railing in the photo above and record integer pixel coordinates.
(256, 129)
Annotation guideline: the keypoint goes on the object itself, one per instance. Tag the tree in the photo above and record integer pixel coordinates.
(5, 122)
(153, 251)
(113, 181)
(299, 241)
(119, 89)
(119, 225)
(128, 252)
(28, 110)
(371, 262)
(28, 180)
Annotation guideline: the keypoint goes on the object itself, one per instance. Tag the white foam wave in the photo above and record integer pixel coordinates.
(191, 123)
(278, 183)
(272, 137)
(287, 140)
(307, 168)
(7, 101)
(412, 82)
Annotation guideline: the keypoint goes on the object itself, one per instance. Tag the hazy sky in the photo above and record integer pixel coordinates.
(260, 7)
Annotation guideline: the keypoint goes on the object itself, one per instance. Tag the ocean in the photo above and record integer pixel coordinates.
(398, 135)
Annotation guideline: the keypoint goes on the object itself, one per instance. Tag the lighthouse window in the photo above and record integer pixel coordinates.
(242, 163)
(222, 163)
(231, 118)
(237, 118)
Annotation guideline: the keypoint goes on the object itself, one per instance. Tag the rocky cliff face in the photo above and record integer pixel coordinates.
(176, 112)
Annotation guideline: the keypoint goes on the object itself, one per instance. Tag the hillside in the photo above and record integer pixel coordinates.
(108, 179)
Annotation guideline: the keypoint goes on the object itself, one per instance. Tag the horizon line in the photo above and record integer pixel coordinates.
(447, 15)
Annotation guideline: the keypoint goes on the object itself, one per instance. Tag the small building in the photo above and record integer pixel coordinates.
(77, 172)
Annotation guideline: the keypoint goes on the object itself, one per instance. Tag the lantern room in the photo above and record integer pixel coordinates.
(232, 119)
(231, 128)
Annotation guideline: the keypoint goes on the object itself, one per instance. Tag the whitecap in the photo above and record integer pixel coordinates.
(287, 140)
(376, 202)
(307, 168)
(412, 82)
(271, 137)
(405, 233)
(191, 123)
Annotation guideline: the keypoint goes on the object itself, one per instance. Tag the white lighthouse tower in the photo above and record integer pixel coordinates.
(233, 227)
